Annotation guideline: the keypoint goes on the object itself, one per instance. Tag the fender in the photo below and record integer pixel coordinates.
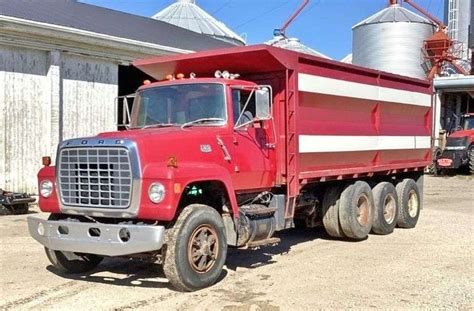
(51, 204)
(178, 178)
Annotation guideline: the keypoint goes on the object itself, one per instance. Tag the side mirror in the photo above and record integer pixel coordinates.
(262, 103)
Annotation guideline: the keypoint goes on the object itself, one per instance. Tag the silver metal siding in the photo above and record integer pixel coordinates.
(463, 26)
(34, 84)
(393, 47)
(25, 116)
(89, 90)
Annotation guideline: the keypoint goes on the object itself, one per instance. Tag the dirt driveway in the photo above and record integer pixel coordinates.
(428, 267)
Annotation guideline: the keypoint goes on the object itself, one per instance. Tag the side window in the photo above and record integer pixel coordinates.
(241, 100)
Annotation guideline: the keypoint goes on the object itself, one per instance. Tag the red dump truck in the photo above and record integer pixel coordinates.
(228, 147)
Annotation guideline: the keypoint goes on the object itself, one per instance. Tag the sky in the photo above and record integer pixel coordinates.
(324, 25)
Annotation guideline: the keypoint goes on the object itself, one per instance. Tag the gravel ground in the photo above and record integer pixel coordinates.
(430, 267)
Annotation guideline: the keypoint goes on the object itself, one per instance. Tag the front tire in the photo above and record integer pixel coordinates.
(72, 263)
(196, 248)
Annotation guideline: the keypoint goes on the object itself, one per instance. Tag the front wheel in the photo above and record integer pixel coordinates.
(196, 248)
(69, 262)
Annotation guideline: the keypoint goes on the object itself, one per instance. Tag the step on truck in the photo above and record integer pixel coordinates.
(228, 147)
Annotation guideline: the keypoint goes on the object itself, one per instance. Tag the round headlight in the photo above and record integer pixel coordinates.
(156, 192)
(46, 188)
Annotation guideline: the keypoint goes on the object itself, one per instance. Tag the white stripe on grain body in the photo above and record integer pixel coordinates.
(336, 143)
(329, 86)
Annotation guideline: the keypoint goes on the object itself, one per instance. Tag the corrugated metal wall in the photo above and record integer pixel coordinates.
(34, 85)
(89, 90)
(25, 119)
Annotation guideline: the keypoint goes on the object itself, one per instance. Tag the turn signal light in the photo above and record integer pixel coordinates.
(180, 76)
(146, 82)
(169, 77)
(46, 161)
(177, 188)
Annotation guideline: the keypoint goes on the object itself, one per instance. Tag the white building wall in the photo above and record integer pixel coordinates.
(89, 90)
(46, 96)
(25, 118)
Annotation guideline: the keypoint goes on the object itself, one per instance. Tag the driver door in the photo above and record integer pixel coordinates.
(253, 152)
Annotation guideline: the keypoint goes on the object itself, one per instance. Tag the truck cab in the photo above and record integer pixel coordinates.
(190, 142)
(459, 150)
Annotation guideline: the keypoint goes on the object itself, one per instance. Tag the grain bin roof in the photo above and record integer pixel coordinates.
(73, 14)
(392, 14)
(294, 44)
(186, 14)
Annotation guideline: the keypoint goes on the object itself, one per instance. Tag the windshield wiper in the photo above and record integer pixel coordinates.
(159, 125)
(190, 123)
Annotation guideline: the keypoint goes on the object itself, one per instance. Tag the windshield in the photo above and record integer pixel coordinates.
(469, 123)
(177, 105)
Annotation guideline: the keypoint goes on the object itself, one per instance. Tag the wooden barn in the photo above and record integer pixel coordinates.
(62, 64)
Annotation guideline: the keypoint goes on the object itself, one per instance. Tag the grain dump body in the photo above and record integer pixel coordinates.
(258, 139)
(331, 118)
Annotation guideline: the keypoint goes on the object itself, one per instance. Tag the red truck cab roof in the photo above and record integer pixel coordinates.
(167, 82)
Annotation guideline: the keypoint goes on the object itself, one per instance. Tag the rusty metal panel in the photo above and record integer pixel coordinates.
(89, 90)
(24, 116)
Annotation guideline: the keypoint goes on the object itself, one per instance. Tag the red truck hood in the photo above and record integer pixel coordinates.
(463, 133)
(158, 144)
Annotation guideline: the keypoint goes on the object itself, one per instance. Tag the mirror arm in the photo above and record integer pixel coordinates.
(243, 124)
(272, 145)
(126, 114)
(243, 110)
(129, 117)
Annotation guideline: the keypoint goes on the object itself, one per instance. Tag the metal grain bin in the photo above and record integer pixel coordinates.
(391, 40)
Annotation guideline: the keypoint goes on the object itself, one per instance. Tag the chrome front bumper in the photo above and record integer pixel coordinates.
(143, 238)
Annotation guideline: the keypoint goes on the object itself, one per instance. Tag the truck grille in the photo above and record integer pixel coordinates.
(95, 177)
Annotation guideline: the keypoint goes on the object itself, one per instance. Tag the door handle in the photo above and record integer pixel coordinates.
(227, 156)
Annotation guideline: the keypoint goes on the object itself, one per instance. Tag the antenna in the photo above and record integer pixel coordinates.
(281, 31)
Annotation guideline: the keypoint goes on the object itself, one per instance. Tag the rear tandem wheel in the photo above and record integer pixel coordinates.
(409, 203)
(356, 210)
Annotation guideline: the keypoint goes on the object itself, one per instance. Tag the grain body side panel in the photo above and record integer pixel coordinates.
(353, 123)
